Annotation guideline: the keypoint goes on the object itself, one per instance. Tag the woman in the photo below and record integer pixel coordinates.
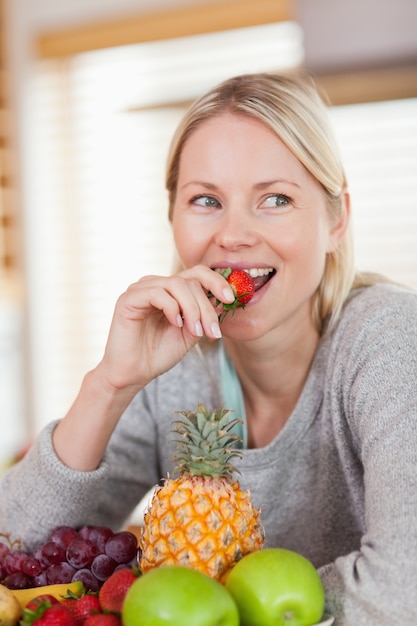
(321, 364)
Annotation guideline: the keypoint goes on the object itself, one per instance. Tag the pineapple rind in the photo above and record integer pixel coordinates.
(211, 524)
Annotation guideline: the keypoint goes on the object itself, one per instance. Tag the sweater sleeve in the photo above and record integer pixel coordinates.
(377, 362)
(40, 492)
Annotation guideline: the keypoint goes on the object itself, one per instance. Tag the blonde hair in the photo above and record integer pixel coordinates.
(290, 105)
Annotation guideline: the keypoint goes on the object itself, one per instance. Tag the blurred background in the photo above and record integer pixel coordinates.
(90, 93)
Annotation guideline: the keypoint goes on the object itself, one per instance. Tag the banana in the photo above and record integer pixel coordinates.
(10, 609)
(58, 591)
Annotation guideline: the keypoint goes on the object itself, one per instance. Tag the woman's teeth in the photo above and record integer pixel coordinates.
(255, 272)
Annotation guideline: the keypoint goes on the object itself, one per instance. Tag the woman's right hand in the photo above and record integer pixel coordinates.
(157, 321)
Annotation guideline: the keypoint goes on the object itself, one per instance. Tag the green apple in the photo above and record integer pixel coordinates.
(178, 596)
(276, 587)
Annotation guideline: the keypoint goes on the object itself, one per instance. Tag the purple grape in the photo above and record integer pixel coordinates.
(60, 573)
(90, 582)
(51, 553)
(122, 546)
(31, 567)
(81, 552)
(41, 580)
(38, 555)
(17, 580)
(99, 535)
(85, 531)
(13, 561)
(103, 566)
(63, 535)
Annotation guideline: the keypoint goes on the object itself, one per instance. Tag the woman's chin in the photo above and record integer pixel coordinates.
(242, 326)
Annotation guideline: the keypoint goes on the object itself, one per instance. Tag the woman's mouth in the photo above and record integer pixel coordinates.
(260, 275)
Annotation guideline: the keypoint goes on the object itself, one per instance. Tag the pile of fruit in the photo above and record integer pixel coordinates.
(199, 560)
(67, 605)
(269, 586)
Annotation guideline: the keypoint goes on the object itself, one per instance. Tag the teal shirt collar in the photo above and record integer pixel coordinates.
(232, 394)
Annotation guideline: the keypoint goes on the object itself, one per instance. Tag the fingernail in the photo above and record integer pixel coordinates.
(228, 294)
(215, 329)
(198, 329)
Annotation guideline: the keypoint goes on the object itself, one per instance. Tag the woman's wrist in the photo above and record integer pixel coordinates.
(80, 439)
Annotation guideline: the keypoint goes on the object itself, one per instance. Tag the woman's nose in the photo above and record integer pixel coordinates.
(235, 230)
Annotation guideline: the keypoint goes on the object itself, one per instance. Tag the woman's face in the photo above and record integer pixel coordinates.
(245, 201)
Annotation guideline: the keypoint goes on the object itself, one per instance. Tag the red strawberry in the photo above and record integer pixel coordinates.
(70, 603)
(103, 619)
(48, 615)
(84, 607)
(56, 615)
(43, 599)
(115, 588)
(242, 286)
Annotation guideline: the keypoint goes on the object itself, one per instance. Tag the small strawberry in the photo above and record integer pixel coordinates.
(84, 607)
(56, 615)
(115, 588)
(242, 286)
(69, 603)
(48, 615)
(70, 599)
(44, 598)
(103, 619)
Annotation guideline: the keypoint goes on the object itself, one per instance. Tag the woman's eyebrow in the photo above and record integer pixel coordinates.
(270, 183)
(202, 183)
(260, 185)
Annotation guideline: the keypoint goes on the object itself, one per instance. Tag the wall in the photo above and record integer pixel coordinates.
(341, 35)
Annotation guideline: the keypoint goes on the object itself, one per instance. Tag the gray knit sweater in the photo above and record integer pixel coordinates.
(338, 484)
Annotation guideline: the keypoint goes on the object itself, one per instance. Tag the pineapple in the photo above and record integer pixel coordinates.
(201, 519)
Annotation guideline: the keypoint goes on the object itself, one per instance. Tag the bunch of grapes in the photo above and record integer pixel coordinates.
(90, 555)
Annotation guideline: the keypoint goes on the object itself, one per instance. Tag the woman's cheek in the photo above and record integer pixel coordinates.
(190, 240)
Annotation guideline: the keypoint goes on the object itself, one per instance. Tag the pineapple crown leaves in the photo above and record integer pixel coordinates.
(206, 445)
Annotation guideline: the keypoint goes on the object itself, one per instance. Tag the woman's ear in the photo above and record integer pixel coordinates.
(338, 230)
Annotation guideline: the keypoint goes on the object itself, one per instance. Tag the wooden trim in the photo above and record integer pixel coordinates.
(378, 84)
(9, 249)
(166, 24)
(370, 85)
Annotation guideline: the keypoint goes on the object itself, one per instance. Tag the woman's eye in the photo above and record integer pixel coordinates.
(206, 201)
(276, 200)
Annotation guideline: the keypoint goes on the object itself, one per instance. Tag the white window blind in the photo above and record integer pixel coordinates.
(379, 147)
(98, 131)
